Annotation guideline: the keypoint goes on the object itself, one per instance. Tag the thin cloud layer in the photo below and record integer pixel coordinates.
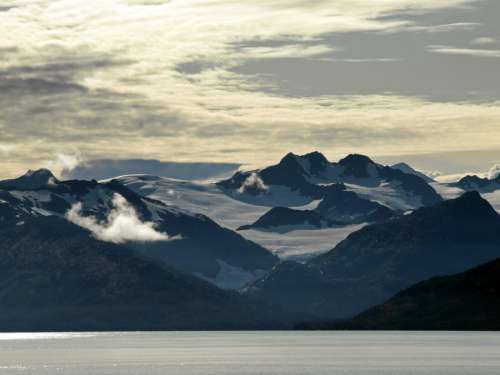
(122, 224)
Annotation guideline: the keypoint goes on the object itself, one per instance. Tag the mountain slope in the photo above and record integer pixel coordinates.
(206, 198)
(190, 242)
(379, 260)
(403, 167)
(55, 276)
(467, 301)
(347, 207)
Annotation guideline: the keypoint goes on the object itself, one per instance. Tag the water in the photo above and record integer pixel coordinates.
(255, 353)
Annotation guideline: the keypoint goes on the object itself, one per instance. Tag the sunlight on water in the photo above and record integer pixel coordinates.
(251, 353)
(43, 336)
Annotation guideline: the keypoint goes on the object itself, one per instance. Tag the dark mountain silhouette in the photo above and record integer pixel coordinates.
(467, 301)
(54, 276)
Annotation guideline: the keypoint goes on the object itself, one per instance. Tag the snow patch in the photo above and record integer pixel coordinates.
(389, 194)
(230, 277)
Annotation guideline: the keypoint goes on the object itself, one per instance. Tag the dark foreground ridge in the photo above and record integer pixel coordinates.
(54, 276)
(467, 301)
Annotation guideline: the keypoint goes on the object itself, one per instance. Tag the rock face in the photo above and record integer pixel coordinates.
(192, 243)
(467, 301)
(298, 180)
(54, 276)
(380, 260)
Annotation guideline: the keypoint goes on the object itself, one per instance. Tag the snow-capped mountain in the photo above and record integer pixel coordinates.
(338, 198)
(190, 242)
(299, 180)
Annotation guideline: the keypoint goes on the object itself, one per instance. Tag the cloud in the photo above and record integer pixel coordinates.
(494, 172)
(448, 50)
(6, 148)
(253, 182)
(103, 76)
(122, 224)
(484, 40)
(66, 162)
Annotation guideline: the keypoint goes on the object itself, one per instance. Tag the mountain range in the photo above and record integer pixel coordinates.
(191, 242)
(379, 260)
(305, 240)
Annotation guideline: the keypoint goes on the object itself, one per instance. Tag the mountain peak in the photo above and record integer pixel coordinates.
(315, 156)
(359, 166)
(33, 179)
(469, 205)
(352, 159)
(292, 162)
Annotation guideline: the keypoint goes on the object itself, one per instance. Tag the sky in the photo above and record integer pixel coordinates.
(246, 81)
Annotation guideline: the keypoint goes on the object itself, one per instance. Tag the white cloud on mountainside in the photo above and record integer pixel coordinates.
(253, 182)
(122, 224)
(494, 172)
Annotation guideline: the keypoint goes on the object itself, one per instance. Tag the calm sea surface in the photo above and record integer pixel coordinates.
(255, 353)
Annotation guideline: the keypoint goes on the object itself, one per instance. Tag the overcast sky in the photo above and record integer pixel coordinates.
(245, 81)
